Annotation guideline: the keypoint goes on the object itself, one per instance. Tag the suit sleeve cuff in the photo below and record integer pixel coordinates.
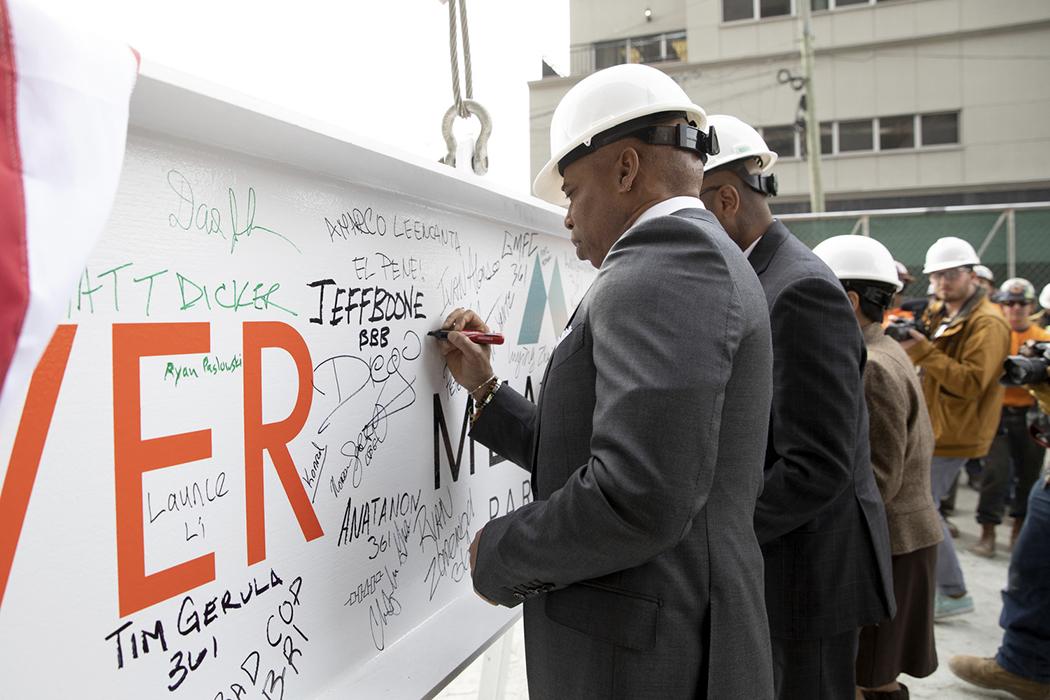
(488, 565)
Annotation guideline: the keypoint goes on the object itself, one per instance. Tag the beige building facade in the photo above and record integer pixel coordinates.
(921, 102)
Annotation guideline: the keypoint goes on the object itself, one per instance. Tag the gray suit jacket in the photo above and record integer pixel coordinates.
(820, 519)
(638, 563)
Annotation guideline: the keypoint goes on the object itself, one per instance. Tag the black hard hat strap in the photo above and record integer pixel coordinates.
(684, 136)
(763, 184)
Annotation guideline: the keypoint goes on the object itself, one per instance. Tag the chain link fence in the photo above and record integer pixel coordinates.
(1013, 240)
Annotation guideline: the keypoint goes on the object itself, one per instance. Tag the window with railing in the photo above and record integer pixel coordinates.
(901, 132)
(650, 48)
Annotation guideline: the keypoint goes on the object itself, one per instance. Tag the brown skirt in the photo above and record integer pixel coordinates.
(905, 643)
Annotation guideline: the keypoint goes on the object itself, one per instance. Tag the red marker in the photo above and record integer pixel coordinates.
(474, 337)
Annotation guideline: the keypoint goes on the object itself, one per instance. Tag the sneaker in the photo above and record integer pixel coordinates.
(946, 606)
(987, 673)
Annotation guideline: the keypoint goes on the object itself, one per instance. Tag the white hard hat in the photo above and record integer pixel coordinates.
(1044, 297)
(739, 141)
(604, 100)
(1016, 289)
(949, 252)
(859, 258)
(984, 272)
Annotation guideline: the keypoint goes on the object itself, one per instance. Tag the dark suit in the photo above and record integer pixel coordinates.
(820, 519)
(638, 562)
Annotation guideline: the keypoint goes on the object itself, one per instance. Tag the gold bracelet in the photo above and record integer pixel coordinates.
(487, 400)
(479, 386)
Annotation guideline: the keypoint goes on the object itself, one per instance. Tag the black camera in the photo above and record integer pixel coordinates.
(1030, 367)
(900, 328)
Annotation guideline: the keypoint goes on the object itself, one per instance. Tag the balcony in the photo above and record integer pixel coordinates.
(652, 48)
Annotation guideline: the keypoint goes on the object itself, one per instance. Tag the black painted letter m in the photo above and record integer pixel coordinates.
(441, 432)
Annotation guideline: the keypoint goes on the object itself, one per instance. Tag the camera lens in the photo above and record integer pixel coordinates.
(1025, 370)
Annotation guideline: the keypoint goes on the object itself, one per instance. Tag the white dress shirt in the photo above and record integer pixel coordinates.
(747, 251)
(667, 207)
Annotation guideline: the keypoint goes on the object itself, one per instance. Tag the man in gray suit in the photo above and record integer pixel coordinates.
(637, 563)
(820, 520)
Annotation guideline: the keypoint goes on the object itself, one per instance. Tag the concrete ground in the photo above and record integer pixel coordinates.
(977, 633)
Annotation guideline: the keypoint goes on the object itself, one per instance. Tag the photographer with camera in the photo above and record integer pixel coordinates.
(961, 361)
(1014, 459)
(901, 439)
(1022, 665)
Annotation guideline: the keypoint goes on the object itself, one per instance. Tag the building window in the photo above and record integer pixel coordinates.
(774, 8)
(737, 9)
(750, 9)
(781, 140)
(609, 53)
(827, 139)
(733, 10)
(646, 49)
(855, 135)
(832, 4)
(652, 48)
(939, 129)
(896, 132)
(905, 132)
(676, 45)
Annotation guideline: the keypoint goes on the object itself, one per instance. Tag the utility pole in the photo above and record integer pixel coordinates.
(816, 189)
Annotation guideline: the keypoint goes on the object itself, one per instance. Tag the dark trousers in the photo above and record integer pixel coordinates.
(1026, 600)
(1011, 468)
(815, 669)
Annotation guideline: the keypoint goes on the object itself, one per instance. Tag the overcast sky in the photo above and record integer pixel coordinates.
(379, 68)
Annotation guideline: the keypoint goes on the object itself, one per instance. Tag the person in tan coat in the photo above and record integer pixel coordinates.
(961, 362)
(901, 438)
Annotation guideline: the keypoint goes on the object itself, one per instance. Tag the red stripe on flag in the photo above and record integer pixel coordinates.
(14, 262)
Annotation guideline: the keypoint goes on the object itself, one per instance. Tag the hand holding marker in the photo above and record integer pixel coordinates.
(473, 336)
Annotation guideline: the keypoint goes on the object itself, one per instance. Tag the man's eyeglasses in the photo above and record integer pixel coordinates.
(949, 275)
(1013, 303)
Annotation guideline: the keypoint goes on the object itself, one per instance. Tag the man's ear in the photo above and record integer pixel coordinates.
(729, 198)
(854, 300)
(626, 169)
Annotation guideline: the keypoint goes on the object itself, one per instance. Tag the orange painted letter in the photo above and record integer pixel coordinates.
(274, 437)
(133, 456)
(29, 444)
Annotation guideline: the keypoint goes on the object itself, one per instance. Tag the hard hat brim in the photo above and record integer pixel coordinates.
(548, 182)
(939, 267)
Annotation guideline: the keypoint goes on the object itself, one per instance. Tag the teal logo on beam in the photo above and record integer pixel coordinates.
(538, 301)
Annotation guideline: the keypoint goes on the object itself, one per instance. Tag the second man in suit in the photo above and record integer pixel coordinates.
(820, 520)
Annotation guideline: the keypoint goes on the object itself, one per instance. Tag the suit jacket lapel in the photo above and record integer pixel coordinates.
(539, 394)
(767, 247)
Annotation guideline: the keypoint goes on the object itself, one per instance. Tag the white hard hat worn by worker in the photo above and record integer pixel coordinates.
(1044, 297)
(949, 252)
(862, 259)
(984, 272)
(743, 150)
(626, 100)
(1016, 289)
(859, 258)
(902, 273)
